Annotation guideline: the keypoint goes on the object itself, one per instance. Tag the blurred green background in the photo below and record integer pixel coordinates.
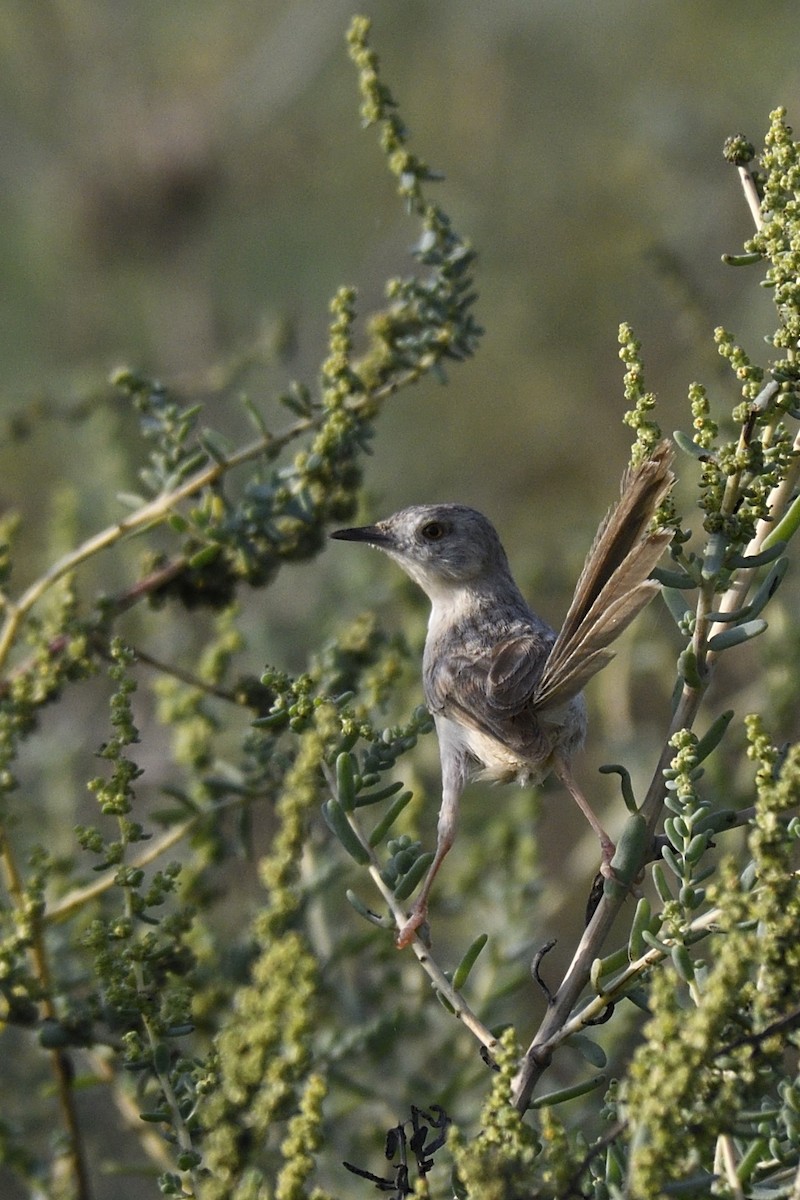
(176, 177)
(185, 184)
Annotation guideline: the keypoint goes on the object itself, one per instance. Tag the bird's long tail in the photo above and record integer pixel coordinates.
(613, 586)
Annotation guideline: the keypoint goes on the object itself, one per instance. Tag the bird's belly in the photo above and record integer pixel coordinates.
(526, 755)
(500, 764)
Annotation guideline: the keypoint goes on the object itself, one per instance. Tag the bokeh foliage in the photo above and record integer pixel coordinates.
(200, 1008)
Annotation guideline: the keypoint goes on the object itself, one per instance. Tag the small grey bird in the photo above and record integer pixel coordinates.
(504, 689)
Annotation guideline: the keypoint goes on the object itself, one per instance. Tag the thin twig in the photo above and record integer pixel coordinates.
(78, 897)
(796, 1188)
(177, 1123)
(63, 1071)
(150, 1140)
(461, 1009)
(539, 1053)
(751, 194)
(589, 1013)
(779, 501)
(454, 999)
(117, 604)
(62, 1068)
(726, 1158)
(784, 1024)
(69, 903)
(187, 677)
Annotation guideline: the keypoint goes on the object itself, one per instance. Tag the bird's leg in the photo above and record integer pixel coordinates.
(563, 771)
(419, 912)
(452, 786)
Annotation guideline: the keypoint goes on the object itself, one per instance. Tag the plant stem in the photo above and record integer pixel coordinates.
(72, 901)
(461, 1009)
(550, 1033)
(62, 1065)
(751, 194)
(149, 514)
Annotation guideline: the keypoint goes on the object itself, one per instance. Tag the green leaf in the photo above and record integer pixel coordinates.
(366, 798)
(742, 260)
(367, 913)
(631, 847)
(734, 637)
(217, 446)
(655, 943)
(388, 819)
(550, 1099)
(468, 961)
(131, 500)
(696, 848)
(346, 781)
(774, 549)
(687, 667)
(719, 617)
(641, 921)
(713, 735)
(205, 557)
(161, 1058)
(626, 787)
(682, 962)
(677, 607)
(588, 1049)
(413, 876)
(673, 579)
(664, 894)
(672, 861)
(769, 586)
(336, 820)
(687, 444)
(255, 416)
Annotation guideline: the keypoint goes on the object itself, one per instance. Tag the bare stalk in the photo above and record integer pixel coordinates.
(751, 194)
(550, 1033)
(454, 999)
(62, 1067)
(78, 897)
(461, 1009)
(149, 514)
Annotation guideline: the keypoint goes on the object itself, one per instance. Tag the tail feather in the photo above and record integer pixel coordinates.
(612, 587)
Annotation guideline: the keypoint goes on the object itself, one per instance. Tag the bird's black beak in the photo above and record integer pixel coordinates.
(373, 535)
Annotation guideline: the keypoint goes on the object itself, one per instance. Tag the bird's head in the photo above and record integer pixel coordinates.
(443, 547)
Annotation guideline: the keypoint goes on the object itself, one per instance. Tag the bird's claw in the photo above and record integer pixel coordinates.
(608, 850)
(417, 917)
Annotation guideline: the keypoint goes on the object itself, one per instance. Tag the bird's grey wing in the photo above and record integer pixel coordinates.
(515, 668)
(455, 686)
(487, 691)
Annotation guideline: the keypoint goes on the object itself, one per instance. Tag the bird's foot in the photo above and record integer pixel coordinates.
(417, 917)
(607, 850)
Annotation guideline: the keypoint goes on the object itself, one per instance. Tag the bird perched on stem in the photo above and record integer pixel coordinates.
(504, 689)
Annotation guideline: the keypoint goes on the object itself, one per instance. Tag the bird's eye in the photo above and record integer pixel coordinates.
(433, 531)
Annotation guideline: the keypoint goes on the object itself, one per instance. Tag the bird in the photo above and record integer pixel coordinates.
(505, 690)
